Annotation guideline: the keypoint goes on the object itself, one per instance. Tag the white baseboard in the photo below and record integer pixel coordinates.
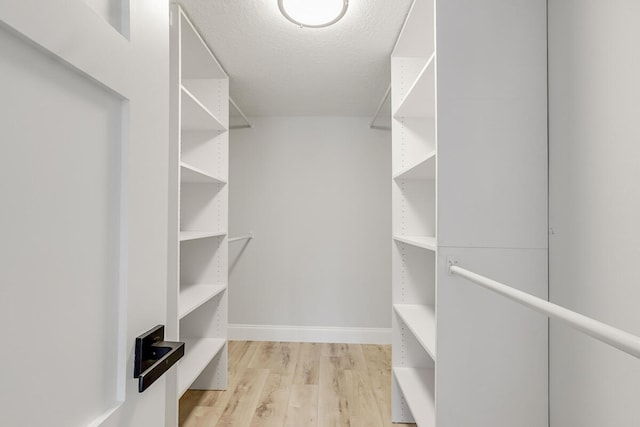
(320, 334)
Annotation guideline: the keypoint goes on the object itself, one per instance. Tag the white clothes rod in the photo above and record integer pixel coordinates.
(248, 125)
(617, 338)
(375, 116)
(245, 237)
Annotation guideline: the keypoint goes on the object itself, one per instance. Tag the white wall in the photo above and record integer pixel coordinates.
(316, 193)
(594, 69)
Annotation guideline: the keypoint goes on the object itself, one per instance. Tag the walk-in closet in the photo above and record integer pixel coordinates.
(320, 213)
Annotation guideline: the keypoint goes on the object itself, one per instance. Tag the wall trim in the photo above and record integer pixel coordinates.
(319, 334)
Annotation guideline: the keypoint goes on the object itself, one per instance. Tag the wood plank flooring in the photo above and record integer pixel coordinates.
(275, 384)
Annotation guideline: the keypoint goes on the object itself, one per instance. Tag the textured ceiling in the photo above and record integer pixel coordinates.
(277, 68)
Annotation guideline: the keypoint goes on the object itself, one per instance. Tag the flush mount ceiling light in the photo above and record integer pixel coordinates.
(313, 13)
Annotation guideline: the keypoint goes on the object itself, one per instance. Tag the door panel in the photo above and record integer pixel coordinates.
(83, 175)
(62, 201)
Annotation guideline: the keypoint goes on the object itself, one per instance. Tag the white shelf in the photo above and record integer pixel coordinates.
(424, 242)
(424, 169)
(197, 60)
(192, 297)
(417, 35)
(420, 100)
(421, 321)
(198, 353)
(195, 116)
(193, 175)
(417, 387)
(193, 235)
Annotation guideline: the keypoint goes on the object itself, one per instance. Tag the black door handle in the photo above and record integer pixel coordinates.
(154, 356)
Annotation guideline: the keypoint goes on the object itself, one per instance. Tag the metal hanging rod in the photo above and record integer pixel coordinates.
(248, 125)
(245, 237)
(615, 337)
(375, 116)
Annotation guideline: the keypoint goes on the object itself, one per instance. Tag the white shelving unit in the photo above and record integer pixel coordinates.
(469, 183)
(415, 243)
(197, 300)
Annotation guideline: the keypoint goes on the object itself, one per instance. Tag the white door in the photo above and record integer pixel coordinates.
(83, 193)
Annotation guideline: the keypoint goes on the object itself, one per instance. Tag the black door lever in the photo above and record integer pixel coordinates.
(154, 356)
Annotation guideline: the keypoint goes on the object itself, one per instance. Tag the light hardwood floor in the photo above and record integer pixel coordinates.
(274, 384)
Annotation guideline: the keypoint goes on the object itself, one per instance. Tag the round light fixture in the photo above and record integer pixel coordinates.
(313, 13)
